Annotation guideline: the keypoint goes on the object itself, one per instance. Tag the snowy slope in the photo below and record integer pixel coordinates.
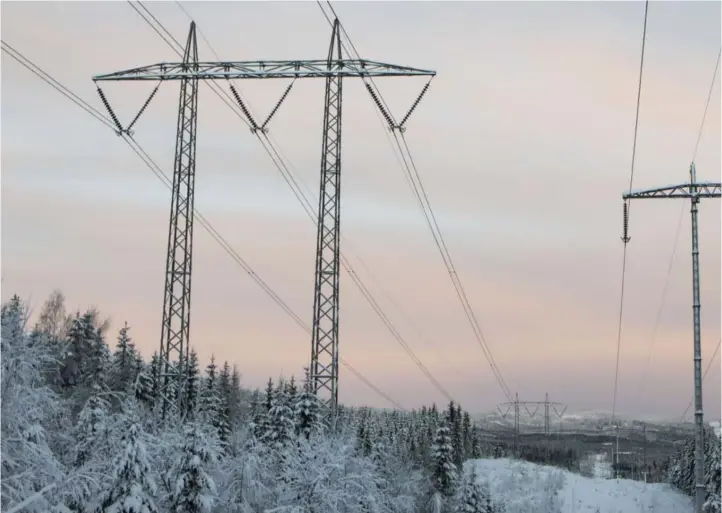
(524, 487)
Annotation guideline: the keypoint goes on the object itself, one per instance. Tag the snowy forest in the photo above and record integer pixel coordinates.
(83, 431)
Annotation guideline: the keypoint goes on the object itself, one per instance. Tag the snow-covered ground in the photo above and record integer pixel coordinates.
(525, 487)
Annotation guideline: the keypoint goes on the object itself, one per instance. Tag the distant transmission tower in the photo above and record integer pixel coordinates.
(175, 333)
(694, 191)
(549, 406)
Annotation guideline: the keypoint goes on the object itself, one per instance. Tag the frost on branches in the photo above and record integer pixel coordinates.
(473, 497)
(195, 490)
(83, 431)
(133, 486)
(28, 405)
(681, 471)
(444, 473)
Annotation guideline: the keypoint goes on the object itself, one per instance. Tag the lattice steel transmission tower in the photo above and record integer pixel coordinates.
(694, 191)
(175, 337)
(324, 338)
(548, 407)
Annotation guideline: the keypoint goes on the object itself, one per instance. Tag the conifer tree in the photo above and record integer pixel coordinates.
(364, 446)
(193, 383)
(143, 385)
(124, 362)
(92, 425)
(213, 409)
(269, 395)
(308, 413)
(444, 471)
(457, 441)
(712, 504)
(471, 497)
(224, 382)
(235, 405)
(257, 415)
(133, 485)
(281, 426)
(76, 364)
(292, 390)
(466, 434)
(195, 490)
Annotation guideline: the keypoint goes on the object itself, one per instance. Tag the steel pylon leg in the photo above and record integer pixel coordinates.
(324, 343)
(174, 341)
(700, 488)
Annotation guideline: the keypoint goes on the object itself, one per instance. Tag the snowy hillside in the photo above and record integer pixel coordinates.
(524, 487)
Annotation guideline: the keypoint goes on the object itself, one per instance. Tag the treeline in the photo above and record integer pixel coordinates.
(681, 470)
(83, 432)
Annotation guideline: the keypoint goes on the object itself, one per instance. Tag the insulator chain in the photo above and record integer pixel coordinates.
(120, 130)
(413, 107)
(254, 126)
(275, 109)
(625, 223)
(142, 109)
(385, 114)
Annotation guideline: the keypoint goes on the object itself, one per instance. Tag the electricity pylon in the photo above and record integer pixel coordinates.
(548, 407)
(694, 191)
(175, 334)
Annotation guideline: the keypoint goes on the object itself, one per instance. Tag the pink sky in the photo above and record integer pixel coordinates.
(524, 145)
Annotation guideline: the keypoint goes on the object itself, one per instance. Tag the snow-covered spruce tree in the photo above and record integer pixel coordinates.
(193, 383)
(224, 419)
(280, 428)
(124, 363)
(256, 415)
(92, 428)
(143, 385)
(79, 344)
(133, 487)
(213, 411)
(236, 398)
(269, 395)
(473, 496)
(308, 412)
(457, 440)
(467, 434)
(28, 405)
(444, 470)
(194, 490)
(712, 504)
(154, 370)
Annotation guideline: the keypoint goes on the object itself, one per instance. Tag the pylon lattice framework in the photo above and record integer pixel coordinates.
(548, 407)
(695, 191)
(175, 333)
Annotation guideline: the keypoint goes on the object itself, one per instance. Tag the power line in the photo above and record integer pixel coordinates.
(155, 168)
(280, 162)
(679, 225)
(664, 297)
(409, 168)
(308, 207)
(706, 106)
(625, 238)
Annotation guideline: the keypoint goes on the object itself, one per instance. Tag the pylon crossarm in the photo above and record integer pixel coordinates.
(703, 190)
(265, 69)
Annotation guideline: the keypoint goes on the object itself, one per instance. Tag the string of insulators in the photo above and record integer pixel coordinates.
(142, 109)
(254, 126)
(625, 223)
(375, 98)
(415, 104)
(110, 111)
(275, 109)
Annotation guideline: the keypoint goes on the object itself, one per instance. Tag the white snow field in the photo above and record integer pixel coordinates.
(528, 488)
